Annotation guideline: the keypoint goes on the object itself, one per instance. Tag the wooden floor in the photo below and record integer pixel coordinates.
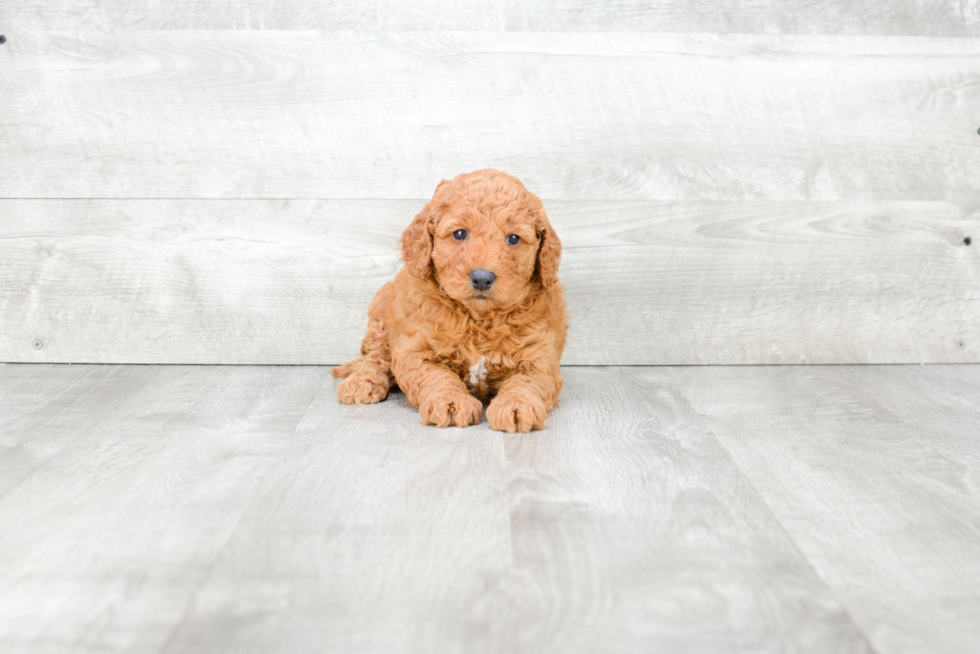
(710, 509)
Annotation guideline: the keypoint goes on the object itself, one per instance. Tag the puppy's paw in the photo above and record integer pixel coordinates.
(363, 388)
(513, 413)
(443, 410)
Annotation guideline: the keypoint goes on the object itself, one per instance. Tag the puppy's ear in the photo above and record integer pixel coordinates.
(549, 251)
(417, 237)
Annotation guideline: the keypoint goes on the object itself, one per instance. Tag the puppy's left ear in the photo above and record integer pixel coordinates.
(417, 238)
(549, 251)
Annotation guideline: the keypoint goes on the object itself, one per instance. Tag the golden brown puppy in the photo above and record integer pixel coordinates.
(476, 314)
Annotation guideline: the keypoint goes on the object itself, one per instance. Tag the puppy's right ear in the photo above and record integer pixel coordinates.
(417, 237)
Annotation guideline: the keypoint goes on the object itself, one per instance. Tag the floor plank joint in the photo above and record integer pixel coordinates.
(730, 509)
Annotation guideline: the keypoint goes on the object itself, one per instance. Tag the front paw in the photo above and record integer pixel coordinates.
(363, 388)
(442, 410)
(513, 413)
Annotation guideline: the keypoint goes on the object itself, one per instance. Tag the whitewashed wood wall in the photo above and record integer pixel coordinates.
(735, 182)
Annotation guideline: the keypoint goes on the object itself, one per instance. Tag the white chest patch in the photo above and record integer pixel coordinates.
(478, 372)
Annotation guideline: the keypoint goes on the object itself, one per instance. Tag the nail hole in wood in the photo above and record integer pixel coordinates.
(3, 39)
(967, 240)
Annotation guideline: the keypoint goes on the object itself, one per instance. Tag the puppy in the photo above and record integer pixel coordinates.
(475, 315)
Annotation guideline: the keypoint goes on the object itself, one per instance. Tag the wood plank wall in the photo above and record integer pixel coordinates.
(735, 183)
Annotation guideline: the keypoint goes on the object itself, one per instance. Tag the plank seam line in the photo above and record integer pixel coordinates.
(809, 564)
(166, 644)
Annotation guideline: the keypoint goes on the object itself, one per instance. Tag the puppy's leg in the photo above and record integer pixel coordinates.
(441, 396)
(523, 401)
(368, 377)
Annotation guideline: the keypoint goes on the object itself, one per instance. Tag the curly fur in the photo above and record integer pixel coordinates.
(450, 347)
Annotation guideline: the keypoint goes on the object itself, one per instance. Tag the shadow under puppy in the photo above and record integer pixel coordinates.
(476, 313)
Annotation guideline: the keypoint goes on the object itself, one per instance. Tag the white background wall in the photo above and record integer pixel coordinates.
(734, 182)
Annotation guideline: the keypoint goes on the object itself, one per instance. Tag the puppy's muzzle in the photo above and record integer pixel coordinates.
(482, 279)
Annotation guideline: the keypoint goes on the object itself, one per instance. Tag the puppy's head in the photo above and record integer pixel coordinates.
(484, 238)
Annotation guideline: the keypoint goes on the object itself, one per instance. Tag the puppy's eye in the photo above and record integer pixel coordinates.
(459, 234)
(513, 239)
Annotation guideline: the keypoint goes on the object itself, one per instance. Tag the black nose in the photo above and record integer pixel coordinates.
(482, 279)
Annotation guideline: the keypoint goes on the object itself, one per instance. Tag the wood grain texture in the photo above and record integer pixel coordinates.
(625, 529)
(706, 509)
(666, 527)
(61, 402)
(945, 412)
(880, 498)
(919, 17)
(179, 114)
(103, 545)
(160, 281)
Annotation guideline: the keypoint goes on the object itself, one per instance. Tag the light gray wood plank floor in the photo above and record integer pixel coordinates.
(690, 509)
